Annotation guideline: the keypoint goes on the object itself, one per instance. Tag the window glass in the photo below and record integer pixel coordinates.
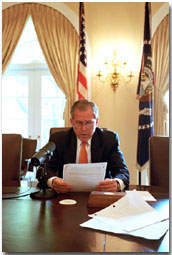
(32, 102)
(28, 49)
(15, 104)
(52, 106)
(15, 85)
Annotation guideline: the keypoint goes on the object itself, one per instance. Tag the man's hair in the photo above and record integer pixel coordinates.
(83, 105)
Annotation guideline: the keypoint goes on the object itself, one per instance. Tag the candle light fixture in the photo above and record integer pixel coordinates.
(115, 71)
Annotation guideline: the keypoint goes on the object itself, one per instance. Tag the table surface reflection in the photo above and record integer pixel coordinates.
(32, 225)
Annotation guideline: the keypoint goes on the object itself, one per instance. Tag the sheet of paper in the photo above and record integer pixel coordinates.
(84, 177)
(145, 195)
(131, 215)
(152, 232)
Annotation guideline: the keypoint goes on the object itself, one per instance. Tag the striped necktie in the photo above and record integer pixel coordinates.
(83, 154)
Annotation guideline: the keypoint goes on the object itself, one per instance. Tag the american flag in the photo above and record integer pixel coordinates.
(82, 88)
(144, 94)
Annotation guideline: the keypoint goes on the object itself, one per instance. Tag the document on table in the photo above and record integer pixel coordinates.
(84, 177)
(144, 194)
(130, 215)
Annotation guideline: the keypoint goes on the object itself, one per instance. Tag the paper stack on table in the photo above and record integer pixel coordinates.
(130, 215)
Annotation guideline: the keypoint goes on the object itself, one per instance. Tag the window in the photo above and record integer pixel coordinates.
(32, 102)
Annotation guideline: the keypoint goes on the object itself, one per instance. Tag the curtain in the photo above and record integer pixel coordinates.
(60, 44)
(58, 39)
(160, 52)
(13, 22)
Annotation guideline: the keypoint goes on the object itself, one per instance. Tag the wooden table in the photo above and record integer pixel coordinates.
(30, 225)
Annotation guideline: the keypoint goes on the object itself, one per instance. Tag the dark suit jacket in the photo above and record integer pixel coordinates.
(104, 148)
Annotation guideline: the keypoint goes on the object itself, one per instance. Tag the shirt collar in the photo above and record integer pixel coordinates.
(79, 142)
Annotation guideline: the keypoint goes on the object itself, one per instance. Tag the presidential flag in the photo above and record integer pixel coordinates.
(144, 94)
(82, 89)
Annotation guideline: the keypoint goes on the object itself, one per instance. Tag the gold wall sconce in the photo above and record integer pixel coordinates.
(115, 71)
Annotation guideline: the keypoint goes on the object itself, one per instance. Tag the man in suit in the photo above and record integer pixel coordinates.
(101, 146)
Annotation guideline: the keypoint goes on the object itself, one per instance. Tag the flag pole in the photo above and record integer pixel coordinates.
(82, 89)
(140, 178)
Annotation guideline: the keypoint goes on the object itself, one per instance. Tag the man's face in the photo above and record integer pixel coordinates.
(84, 124)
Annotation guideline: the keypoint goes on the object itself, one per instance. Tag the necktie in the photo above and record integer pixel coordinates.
(83, 154)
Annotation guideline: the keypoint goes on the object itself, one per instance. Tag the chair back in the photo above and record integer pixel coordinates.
(29, 149)
(11, 159)
(159, 161)
(56, 129)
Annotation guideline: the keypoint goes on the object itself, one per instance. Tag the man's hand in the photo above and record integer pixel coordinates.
(108, 185)
(60, 186)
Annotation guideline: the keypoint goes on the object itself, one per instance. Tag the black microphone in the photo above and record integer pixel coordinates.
(41, 155)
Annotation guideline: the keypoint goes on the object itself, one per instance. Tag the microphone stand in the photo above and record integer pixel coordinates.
(44, 192)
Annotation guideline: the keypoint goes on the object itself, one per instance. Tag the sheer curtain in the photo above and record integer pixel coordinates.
(58, 40)
(160, 52)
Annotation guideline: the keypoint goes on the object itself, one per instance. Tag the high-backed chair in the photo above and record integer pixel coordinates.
(11, 159)
(56, 129)
(159, 161)
(29, 149)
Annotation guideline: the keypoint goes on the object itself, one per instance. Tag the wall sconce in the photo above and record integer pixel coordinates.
(114, 72)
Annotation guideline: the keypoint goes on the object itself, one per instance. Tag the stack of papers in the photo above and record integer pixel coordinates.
(130, 215)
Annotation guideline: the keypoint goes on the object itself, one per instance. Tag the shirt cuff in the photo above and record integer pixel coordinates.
(50, 181)
(121, 183)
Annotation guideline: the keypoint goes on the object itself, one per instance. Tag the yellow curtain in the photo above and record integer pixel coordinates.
(13, 22)
(160, 52)
(58, 40)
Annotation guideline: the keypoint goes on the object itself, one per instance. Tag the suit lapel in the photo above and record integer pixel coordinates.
(96, 147)
(70, 148)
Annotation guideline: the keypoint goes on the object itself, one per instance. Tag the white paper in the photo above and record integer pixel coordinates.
(152, 232)
(144, 194)
(131, 215)
(131, 212)
(84, 177)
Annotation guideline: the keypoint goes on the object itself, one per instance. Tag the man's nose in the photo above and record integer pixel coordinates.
(83, 127)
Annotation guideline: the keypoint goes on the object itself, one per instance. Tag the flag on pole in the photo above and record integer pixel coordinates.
(144, 94)
(82, 89)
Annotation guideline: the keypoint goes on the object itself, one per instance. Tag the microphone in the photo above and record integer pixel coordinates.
(41, 155)
(40, 158)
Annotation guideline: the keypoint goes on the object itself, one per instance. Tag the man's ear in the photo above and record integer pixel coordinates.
(97, 121)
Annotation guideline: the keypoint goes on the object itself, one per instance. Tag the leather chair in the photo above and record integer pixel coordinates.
(11, 159)
(56, 129)
(29, 149)
(159, 161)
